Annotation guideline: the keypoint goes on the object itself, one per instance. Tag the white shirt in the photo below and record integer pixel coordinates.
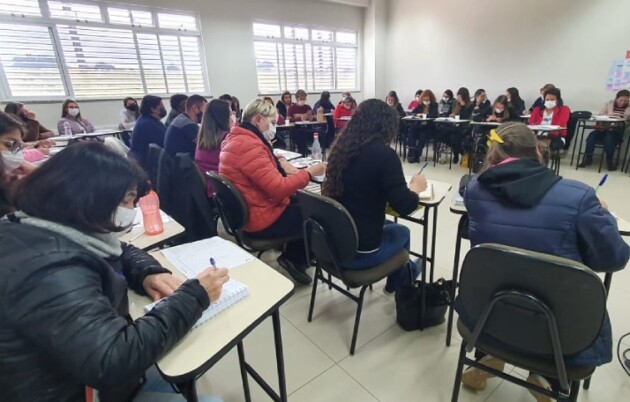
(546, 120)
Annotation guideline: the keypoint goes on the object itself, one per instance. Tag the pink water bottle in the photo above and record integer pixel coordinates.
(150, 207)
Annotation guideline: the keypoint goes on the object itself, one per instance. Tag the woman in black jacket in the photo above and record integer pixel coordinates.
(516, 103)
(64, 313)
(482, 108)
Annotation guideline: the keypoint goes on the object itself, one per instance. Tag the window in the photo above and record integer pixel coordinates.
(90, 50)
(296, 57)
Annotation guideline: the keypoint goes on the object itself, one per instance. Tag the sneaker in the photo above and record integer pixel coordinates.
(476, 379)
(297, 274)
(542, 382)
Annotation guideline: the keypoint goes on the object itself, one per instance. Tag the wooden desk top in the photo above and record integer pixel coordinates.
(201, 347)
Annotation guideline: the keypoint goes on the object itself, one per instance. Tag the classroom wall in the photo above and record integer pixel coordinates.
(494, 45)
(227, 37)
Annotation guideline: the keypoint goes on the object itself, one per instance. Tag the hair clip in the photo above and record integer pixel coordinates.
(494, 137)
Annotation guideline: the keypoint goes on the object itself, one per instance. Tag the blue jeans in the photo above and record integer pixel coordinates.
(156, 389)
(395, 238)
(610, 139)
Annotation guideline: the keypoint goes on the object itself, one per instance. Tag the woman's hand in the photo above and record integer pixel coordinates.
(288, 167)
(212, 280)
(604, 205)
(159, 286)
(418, 183)
(317, 170)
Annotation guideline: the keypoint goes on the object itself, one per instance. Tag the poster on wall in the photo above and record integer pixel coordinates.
(619, 74)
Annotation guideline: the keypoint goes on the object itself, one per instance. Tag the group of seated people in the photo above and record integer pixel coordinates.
(80, 201)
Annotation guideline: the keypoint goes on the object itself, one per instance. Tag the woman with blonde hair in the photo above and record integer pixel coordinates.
(267, 183)
(516, 201)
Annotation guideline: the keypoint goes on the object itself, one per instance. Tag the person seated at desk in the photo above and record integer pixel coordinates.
(182, 133)
(267, 184)
(482, 107)
(215, 125)
(346, 109)
(344, 95)
(422, 132)
(65, 313)
(278, 139)
(552, 113)
(129, 115)
(16, 160)
(71, 121)
(446, 104)
(416, 100)
(34, 131)
(516, 201)
(540, 101)
(611, 135)
(285, 102)
(149, 128)
(515, 103)
(463, 109)
(324, 102)
(300, 111)
(500, 110)
(365, 188)
(394, 103)
(178, 106)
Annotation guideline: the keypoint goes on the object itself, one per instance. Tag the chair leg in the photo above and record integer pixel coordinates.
(260, 253)
(357, 320)
(575, 390)
(312, 306)
(329, 280)
(458, 374)
(455, 278)
(587, 383)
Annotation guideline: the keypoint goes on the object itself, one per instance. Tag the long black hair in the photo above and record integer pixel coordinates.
(81, 187)
(374, 120)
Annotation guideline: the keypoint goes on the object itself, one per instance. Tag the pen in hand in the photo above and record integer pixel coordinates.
(601, 182)
(213, 263)
(423, 167)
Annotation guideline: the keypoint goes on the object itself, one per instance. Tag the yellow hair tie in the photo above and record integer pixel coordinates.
(494, 137)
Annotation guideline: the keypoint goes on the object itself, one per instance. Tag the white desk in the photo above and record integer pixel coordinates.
(309, 123)
(416, 118)
(450, 120)
(203, 347)
(344, 118)
(288, 155)
(138, 238)
(485, 123)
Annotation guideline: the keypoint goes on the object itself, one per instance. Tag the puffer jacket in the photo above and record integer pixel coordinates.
(64, 319)
(522, 204)
(251, 166)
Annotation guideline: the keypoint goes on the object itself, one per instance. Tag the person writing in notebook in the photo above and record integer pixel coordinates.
(64, 311)
(365, 188)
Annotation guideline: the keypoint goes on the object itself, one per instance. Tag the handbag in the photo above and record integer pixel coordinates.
(409, 312)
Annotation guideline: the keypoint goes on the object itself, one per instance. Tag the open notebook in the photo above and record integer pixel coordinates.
(428, 193)
(233, 292)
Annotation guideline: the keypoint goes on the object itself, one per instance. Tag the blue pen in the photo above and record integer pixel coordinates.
(601, 182)
(423, 167)
(213, 263)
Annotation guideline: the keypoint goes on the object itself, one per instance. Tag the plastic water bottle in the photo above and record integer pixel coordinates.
(150, 207)
(67, 130)
(316, 151)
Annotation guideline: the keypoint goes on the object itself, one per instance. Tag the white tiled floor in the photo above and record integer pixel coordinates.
(391, 365)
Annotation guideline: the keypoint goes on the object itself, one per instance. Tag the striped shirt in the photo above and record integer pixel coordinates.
(618, 112)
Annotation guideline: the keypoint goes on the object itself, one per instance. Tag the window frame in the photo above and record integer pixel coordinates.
(312, 43)
(51, 24)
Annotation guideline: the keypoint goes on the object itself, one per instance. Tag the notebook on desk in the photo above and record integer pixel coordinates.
(428, 193)
(232, 293)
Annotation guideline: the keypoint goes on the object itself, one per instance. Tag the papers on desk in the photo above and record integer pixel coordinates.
(192, 258)
(288, 155)
(544, 127)
(605, 118)
(139, 219)
(458, 199)
(428, 193)
(303, 163)
(233, 291)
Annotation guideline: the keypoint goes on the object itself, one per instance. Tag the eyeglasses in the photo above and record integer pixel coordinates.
(14, 146)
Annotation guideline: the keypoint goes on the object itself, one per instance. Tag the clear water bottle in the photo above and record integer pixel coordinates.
(316, 151)
(67, 130)
(150, 207)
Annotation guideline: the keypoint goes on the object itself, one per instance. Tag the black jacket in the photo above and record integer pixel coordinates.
(432, 112)
(64, 319)
(481, 112)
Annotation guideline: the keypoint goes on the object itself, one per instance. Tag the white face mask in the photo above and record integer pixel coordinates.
(499, 111)
(446, 99)
(426, 103)
(550, 104)
(124, 217)
(271, 133)
(12, 161)
(301, 103)
(73, 111)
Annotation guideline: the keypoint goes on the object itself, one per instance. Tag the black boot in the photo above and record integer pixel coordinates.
(587, 161)
(612, 166)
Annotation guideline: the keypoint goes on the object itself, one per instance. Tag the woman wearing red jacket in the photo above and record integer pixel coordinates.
(267, 184)
(347, 109)
(552, 113)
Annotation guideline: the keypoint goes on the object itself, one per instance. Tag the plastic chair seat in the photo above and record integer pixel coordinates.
(256, 244)
(369, 276)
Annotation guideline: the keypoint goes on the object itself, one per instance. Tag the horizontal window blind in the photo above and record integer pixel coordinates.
(292, 57)
(20, 8)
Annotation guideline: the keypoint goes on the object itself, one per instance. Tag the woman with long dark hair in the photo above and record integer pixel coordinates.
(516, 103)
(365, 187)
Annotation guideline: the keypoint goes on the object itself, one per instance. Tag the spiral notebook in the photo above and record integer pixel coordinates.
(232, 293)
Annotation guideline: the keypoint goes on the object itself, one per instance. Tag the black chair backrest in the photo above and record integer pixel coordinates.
(230, 203)
(329, 229)
(160, 167)
(574, 294)
(152, 162)
(572, 124)
(191, 206)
